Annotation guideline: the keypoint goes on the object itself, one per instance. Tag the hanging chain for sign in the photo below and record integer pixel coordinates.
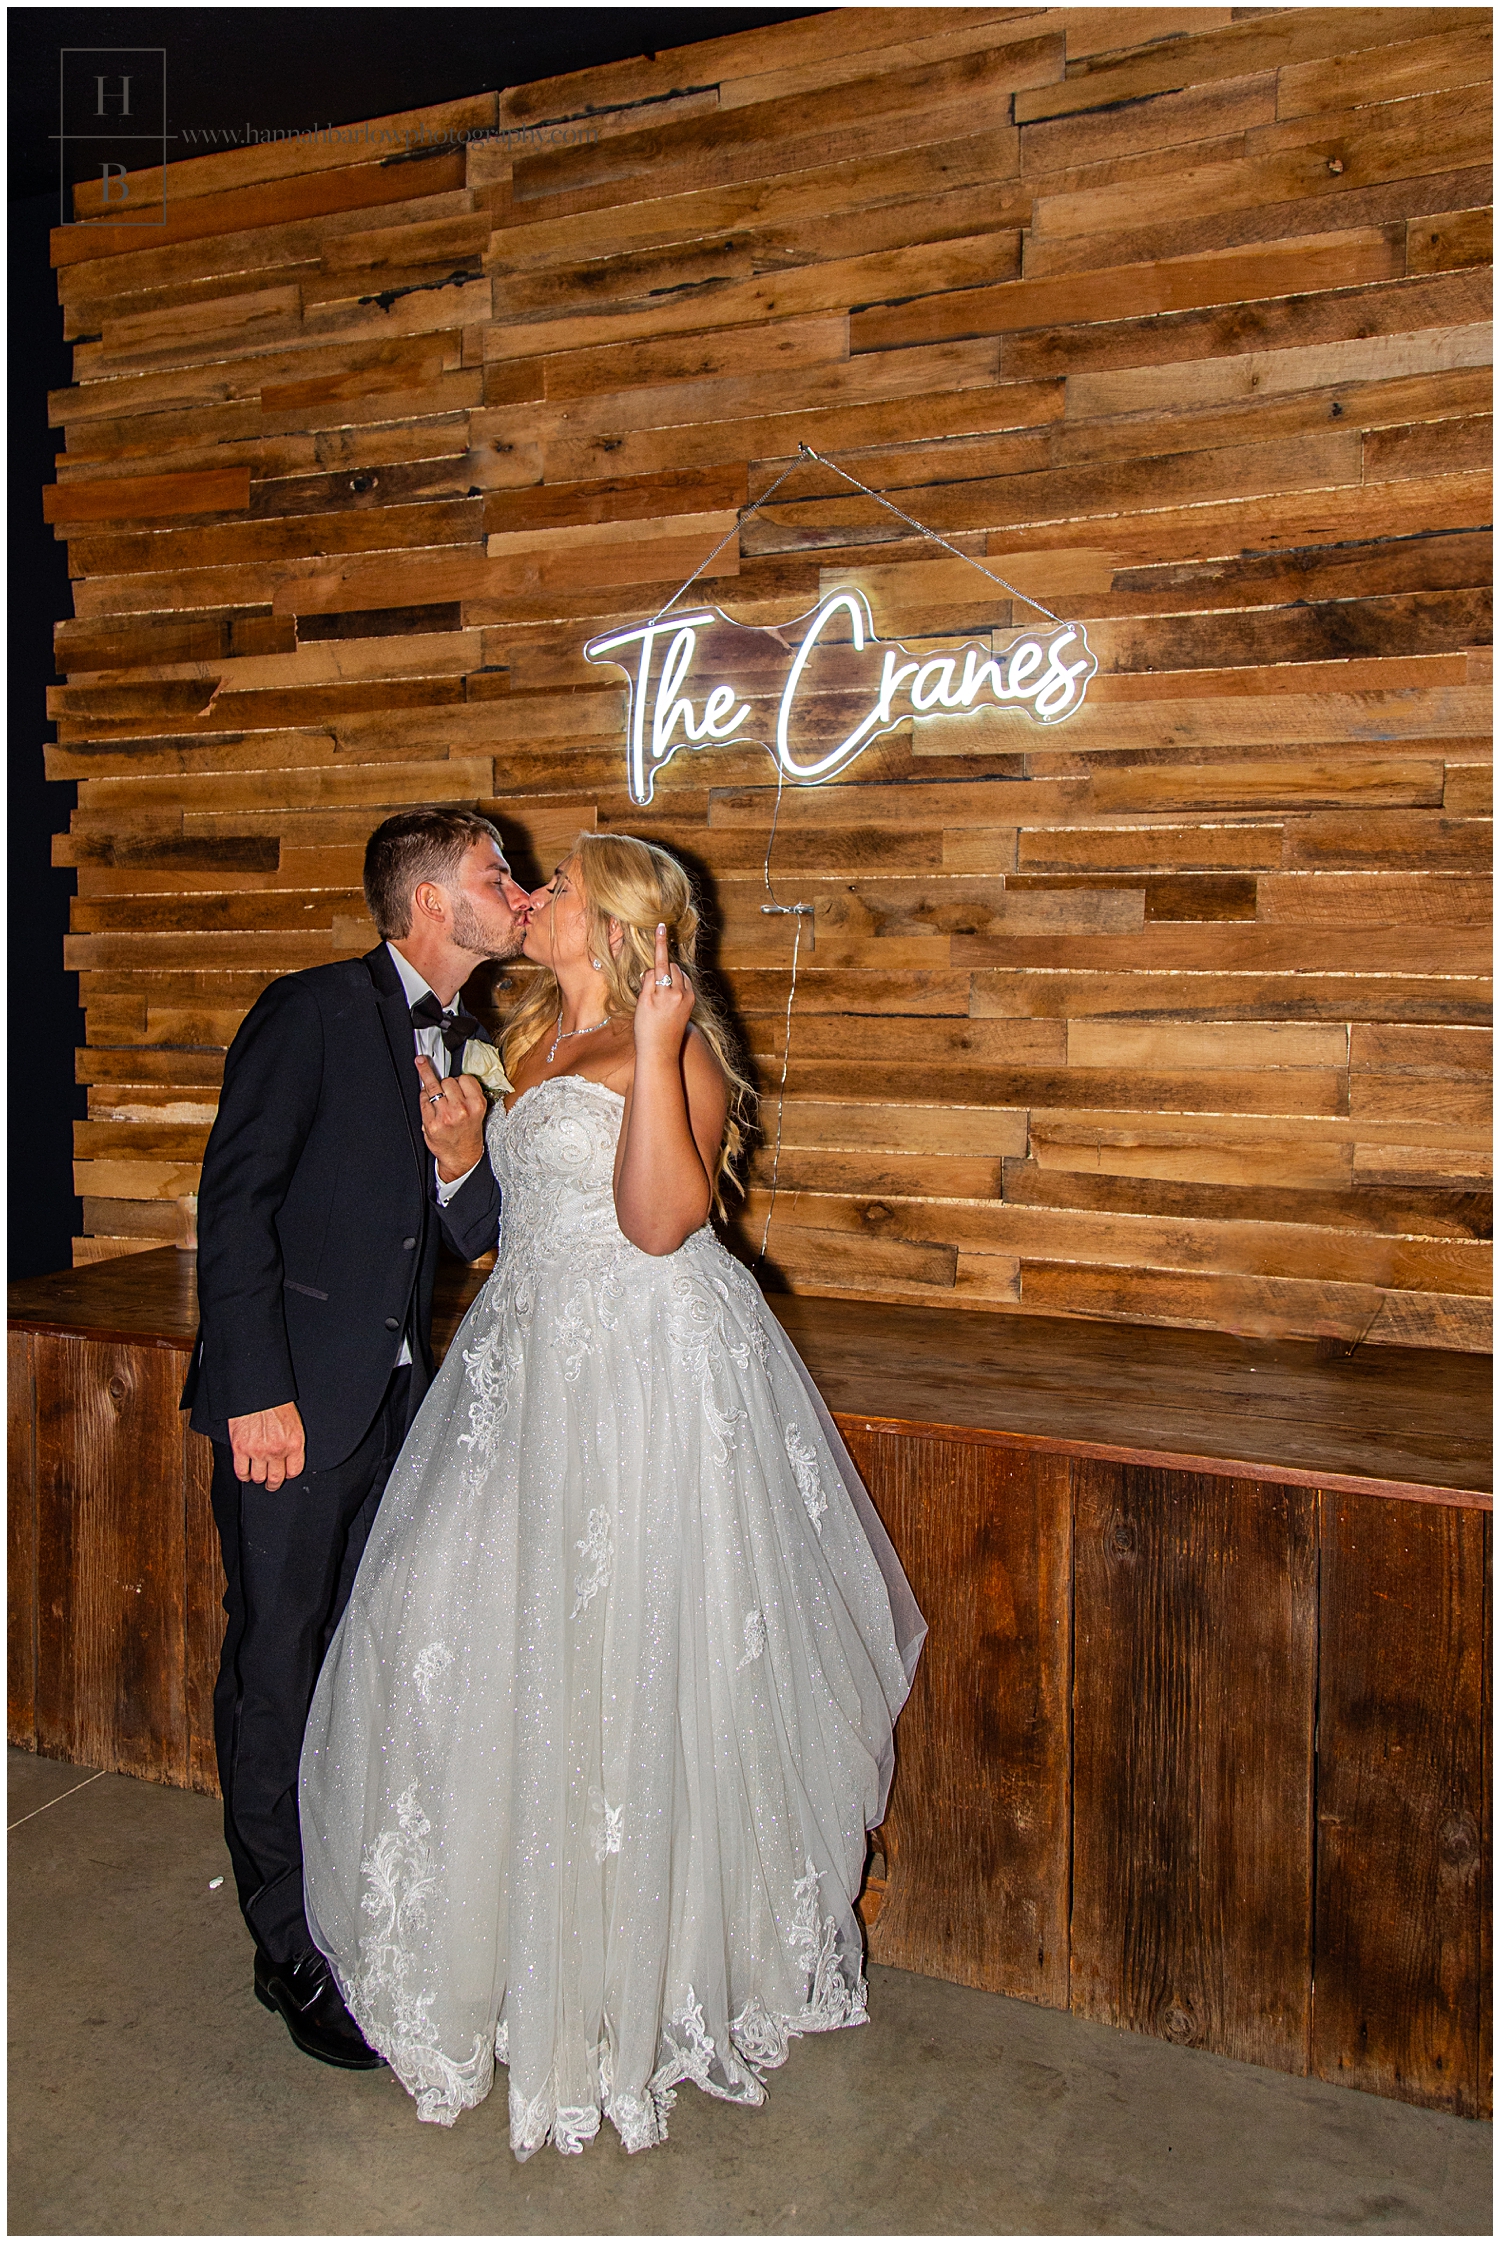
(806, 452)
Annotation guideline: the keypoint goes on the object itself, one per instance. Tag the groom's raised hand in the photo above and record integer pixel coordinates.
(453, 1114)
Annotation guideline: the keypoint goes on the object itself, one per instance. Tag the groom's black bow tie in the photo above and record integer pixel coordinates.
(456, 1027)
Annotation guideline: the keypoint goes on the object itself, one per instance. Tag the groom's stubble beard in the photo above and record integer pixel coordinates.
(470, 932)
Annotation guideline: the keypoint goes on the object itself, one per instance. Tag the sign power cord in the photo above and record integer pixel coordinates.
(797, 912)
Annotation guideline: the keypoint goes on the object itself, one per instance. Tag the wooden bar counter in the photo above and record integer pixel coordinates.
(1199, 1741)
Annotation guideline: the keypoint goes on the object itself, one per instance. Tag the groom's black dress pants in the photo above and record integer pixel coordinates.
(289, 1561)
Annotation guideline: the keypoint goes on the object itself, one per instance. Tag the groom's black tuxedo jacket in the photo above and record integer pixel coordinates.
(318, 1220)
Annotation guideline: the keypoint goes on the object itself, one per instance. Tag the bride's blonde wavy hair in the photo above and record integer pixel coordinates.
(640, 886)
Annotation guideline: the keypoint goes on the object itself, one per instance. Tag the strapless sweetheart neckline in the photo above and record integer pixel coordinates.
(548, 1080)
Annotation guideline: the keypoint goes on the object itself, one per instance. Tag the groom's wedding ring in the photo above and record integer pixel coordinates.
(434, 1098)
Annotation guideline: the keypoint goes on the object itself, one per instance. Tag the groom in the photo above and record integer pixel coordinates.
(347, 1142)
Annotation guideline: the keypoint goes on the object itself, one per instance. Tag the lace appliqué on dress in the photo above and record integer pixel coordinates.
(804, 1462)
(595, 1551)
(397, 1869)
(755, 1640)
(432, 1662)
(832, 1999)
(491, 1368)
(700, 1340)
(605, 1828)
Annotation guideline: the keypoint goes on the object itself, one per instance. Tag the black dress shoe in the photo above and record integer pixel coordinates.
(304, 1995)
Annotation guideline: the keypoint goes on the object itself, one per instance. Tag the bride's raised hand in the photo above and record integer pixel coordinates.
(664, 1006)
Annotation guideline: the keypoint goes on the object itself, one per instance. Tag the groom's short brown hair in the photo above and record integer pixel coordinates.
(413, 846)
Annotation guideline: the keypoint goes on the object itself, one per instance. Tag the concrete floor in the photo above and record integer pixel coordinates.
(150, 2095)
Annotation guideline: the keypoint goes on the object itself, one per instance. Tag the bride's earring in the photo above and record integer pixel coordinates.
(597, 964)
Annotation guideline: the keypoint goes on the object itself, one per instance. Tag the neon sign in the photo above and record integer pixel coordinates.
(815, 696)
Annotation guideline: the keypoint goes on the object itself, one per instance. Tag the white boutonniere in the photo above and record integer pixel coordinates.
(483, 1061)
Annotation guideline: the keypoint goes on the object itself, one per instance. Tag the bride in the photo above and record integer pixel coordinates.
(594, 1751)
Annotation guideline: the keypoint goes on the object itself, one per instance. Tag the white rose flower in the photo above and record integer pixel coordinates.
(483, 1061)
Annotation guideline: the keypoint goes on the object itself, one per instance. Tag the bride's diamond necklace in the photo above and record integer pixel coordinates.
(561, 1038)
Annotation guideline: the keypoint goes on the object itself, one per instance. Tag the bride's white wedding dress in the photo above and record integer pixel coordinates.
(594, 1751)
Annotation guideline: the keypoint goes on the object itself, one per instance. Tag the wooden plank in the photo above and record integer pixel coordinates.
(863, 116)
(1143, 849)
(980, 259)
(274, 203)
(451, 780)
(203, 1612)
(1195, 1664)
(222, 405)
(1408, 1213)
(1067, 494)
(361, 529)
(1064, 993)
(725, 355)
(1339, 260)
(1277, 41)
(976, 1834)
(467, 575)
(653, 498)
(110, 1569)
(1036, 1233)
(1225, 949)
(1399, 782)
(796, 198)
(822, 38)
(980, 407)
(1296, 520)
(1374, 899)
(1383, 202)
(1256, 376)
(631, 281)
(138, 498)
(1273, 1044)
(182, 333)
(144, 641)
(1290, 323)
(141, 278)
(1276, 1307)
(372, 140)
(798, 1257)
(1445, 243)
(1091, 32)
(1167, 121)
(1443, 396)
(1387, 73)
(1449, 446)
(691, 401)
(1415, 146)
(1400, 1803)
(21, 1544)
(984, 32)
(1398, 1095)
(1448, 1052)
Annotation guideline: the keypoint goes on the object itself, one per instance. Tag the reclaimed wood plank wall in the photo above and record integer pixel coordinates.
(1174, 316)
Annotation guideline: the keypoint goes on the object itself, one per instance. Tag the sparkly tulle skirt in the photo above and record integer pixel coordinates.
(592, 1757)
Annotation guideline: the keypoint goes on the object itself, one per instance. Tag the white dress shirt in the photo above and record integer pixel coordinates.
(429, 1043)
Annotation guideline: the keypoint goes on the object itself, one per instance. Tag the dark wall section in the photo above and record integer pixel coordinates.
(45, 1022)
(271, 67)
